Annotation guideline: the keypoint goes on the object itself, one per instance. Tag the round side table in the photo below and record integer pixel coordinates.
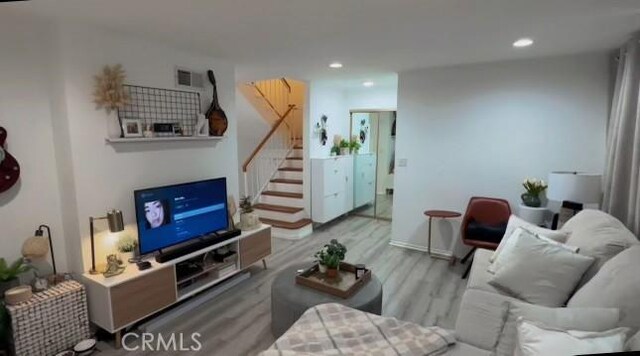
(440, 214)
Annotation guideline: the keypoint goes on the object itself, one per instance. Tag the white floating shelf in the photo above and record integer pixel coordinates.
(164, 139)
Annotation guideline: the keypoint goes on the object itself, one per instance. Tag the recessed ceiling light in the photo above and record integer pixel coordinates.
(335, 65)
(523, 42)
(368, 83)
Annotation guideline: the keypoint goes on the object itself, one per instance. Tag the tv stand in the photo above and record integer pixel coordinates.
(118, 302)
(197, 245)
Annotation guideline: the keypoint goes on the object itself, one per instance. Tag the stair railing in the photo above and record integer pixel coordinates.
(265, 160)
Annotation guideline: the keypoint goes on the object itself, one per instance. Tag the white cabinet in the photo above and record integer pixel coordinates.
(364, 179)
(331, 187)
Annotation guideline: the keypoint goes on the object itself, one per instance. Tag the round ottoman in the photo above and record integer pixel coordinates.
(289, 300)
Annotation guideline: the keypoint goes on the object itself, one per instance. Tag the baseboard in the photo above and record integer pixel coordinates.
(420, 248)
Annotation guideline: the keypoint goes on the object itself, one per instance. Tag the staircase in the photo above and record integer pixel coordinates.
(273, 174)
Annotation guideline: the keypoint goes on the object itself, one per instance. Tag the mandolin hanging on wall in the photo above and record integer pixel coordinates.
(9, 167)
(218, 122)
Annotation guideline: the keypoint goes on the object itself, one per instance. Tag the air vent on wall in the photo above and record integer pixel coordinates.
(186, 78)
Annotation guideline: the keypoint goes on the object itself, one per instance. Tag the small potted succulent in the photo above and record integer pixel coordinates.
(354, 145)
(344, 147)
(335, 151)
(127, 246)
(9, 274)
(330, 256)
(249, 220)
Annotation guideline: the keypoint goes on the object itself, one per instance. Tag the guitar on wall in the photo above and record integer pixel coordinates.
(9, 167)
(218, 122)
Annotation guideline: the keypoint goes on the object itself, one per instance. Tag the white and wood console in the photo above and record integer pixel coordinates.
(120, 301)
(331, 187)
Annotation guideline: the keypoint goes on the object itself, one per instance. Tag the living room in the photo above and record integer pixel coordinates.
(374, 124)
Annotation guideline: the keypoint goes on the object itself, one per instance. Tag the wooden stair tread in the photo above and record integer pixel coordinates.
(290, 169)
(286, 181)
(282, 194)
(278, 208)
(295, 158)
(287, 225)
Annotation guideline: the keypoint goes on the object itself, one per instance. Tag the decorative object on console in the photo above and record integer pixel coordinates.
(115, 266)
(354, 145)
(344, 147)
(132, 127)
(37, 247)
(9, 167)
(249, 220)
(116, 224)
(574, 189)
(231, 211)
(534, 187)
(218, 122)
(127, 247)
(9, 273)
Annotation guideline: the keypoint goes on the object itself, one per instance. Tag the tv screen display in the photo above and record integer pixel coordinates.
(171, 215)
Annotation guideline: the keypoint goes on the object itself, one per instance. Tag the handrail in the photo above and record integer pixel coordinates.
(286, 83)
(267, 137)
(266, 99)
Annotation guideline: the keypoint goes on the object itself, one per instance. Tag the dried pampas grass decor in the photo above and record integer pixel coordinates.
(109, 93)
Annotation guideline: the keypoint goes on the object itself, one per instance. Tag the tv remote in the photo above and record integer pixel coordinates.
(142, 265)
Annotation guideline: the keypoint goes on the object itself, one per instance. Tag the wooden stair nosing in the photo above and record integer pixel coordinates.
(278, 208)
(290, 169)
(286, 181)
(274, 193)
(295, 158)
(287, 225)
(297, 147)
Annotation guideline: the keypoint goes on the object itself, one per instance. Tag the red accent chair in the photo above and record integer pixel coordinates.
(483, 225)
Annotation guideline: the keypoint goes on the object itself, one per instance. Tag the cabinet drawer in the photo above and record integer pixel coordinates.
(254, 248)
(334, 206)
(138, 298)
(333, 177)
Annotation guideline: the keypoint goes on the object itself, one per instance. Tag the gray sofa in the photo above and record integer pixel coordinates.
(485, 325)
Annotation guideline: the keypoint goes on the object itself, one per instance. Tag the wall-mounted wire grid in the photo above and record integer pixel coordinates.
(155, 105)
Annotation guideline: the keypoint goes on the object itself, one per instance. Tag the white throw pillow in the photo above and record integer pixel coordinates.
(538, 271)
(586, 319)
(516, 222)
(538, 340)
(506, 253)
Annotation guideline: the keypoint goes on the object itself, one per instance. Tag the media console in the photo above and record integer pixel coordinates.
(118, 302)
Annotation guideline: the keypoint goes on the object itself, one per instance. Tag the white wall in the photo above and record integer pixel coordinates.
(106, 175)
(69, 172)
(330, 100)
(373, 98)
(479, 130)
(25, 111)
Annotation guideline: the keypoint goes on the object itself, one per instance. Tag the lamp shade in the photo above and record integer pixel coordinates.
(114, 218)
(577, 187)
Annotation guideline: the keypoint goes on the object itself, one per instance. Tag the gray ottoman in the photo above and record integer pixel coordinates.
(289, 300)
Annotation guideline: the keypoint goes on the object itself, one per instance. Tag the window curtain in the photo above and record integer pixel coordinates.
(622, 171)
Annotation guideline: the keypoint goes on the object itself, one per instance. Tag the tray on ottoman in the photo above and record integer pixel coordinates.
(344, 285)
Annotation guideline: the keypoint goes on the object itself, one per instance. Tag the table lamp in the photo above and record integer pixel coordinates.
(577, 187)
(116, 224)
(37, 247)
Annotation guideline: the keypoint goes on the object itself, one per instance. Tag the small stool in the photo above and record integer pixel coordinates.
(441, 214)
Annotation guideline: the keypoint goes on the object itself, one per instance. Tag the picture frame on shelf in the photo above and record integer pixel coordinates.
(132, 127)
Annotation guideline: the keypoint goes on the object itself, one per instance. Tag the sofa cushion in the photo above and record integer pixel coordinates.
(617, 285)
(536, 339)
(516, 222)
(633, 343)
(462, 349)
(479, 275)
(599, 235)
(481, 318)
(587, 319)
(538, 271)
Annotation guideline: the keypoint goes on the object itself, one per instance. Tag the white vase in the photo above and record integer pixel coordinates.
(344, 151)
(322, 268)
(126, 256)
(249, 221)
(114, 130)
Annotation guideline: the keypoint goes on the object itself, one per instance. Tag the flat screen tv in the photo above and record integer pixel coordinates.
(171, 215)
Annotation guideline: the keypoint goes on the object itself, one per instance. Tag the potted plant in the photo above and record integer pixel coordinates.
(335, 151)
(249, 220)
(534, 187)
(330, 256)
(9, 274)
(344, 147)
(320, 258)
(127, 247)
(354, 145)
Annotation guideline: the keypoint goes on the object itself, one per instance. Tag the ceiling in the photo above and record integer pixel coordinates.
(372, 38)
